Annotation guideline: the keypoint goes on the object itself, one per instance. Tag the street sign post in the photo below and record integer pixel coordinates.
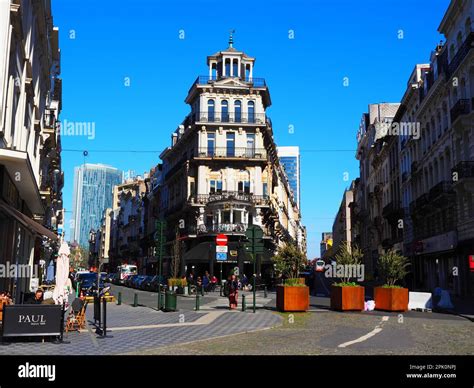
(221, 239)
(254, 246)
(221, 256)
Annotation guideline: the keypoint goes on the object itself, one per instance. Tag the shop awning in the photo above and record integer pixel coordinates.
(27, 222)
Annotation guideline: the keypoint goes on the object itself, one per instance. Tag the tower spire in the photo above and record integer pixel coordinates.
(231, 38)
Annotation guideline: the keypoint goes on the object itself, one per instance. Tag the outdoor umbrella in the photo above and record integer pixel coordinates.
(62, 273)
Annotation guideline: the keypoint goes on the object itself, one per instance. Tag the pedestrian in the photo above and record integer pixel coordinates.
(245, 282)
(232, 286)
(205, 281)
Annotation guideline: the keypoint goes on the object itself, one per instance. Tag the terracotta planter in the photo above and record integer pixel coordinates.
(347, 298)
(292, 298)
(391, 299)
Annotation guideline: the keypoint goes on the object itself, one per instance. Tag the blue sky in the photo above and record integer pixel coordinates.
(103, 42)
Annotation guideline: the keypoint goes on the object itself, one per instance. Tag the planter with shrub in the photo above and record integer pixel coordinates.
(392, 268)
(347, 295)
(293, 294)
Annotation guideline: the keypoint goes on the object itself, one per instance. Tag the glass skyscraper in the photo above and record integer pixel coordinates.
(290, 159)
(93, 193)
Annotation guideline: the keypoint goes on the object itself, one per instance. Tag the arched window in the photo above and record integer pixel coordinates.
(251, 111)
(238, 111)
(210, 110)
(225, 111)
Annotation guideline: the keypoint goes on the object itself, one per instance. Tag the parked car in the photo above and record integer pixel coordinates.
(138, 280)
(88, 280)
(130, 280)
(146, 279)
(153, 285)
(114, 278)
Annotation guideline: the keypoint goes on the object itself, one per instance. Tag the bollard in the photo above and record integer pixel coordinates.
(135, 300)
(119, 299)
(243, 303)
(197, 301)
(265, 292)
(104, 318)
(202, 290)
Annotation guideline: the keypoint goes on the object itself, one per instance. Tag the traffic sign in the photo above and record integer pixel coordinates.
(222, 248)
(221, 239)
(221, 256)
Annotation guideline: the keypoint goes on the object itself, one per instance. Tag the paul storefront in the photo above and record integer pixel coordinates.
(20, 239)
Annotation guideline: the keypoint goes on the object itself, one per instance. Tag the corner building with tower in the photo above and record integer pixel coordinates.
(222, 173)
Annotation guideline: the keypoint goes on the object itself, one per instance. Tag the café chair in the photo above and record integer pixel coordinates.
(76, 319)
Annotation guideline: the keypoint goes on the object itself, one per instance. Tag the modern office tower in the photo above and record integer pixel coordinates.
(92, 195)
(290, 159)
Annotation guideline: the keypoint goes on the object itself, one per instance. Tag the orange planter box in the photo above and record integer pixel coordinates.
(347, 298)
(292, 298)
(391, 299)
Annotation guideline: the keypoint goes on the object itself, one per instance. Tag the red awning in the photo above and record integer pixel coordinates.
(27, 222)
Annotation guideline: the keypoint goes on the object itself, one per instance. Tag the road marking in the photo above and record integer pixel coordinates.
(206, 319)
(377, 330)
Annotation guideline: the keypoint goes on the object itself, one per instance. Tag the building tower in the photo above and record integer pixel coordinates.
(92, 195)
(222, 172)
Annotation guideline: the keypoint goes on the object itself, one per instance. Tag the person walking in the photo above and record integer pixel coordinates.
(233, 291)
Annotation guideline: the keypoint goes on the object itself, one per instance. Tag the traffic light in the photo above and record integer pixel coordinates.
(254, 245)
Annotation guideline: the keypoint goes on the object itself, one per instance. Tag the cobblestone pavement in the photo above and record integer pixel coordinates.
(137, 329)
(334, 333)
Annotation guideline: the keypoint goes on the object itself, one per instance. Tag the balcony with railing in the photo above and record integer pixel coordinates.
(232, 152)
(442, 190)
(467, 45)
(235, 228)
(225, 196)
(49, 120)
(464, 170)
(392, 210)
(235, 117)
(208, 80)
(462, 107)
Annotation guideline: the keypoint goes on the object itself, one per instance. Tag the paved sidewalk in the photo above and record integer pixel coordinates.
(136, 329)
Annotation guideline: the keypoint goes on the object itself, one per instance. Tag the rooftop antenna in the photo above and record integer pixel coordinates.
(231, 38)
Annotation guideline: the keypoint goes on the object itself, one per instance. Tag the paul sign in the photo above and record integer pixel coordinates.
(32, 320)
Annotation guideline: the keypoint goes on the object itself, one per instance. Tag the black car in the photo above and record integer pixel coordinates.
(88, 280)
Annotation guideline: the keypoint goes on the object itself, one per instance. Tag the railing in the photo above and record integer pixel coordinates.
(205, 80)
(230, 195)
(443, 187)
(462, 107)
(461, 54)
(230, 117)
(464, 169)
(49, 119)
(391, 208)
(422, 200)
(222, 228)
(233, 152)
